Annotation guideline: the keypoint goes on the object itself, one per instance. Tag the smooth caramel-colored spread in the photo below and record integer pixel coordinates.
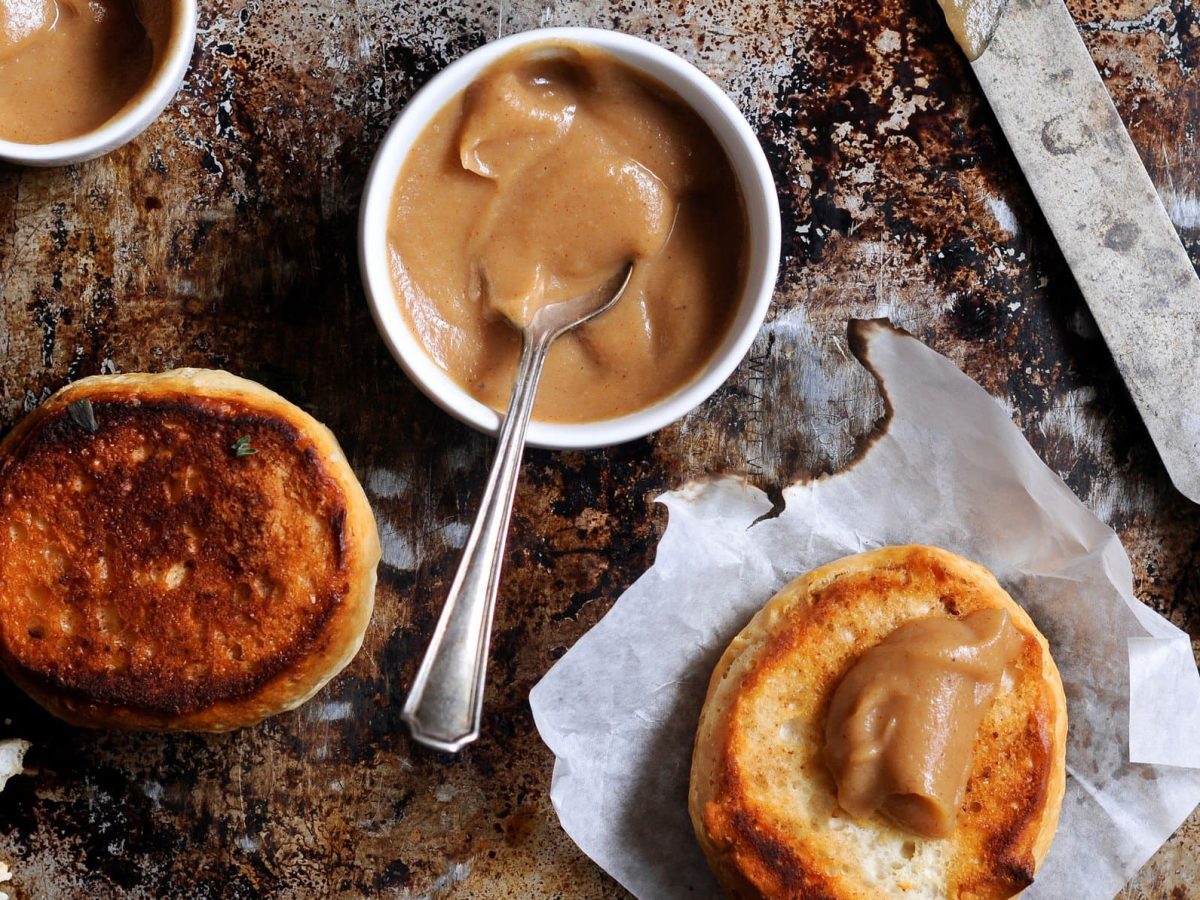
(902, 723)
(973, 22)
(553, 168)
(68, 66)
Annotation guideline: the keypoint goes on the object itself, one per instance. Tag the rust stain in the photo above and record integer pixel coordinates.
(225, 236)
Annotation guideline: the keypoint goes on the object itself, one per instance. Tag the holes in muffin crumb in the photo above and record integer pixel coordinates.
(794, 731)
(68, 621)
(36, 629)
(908, 849)
(54, 556)
(176, 487)
(177, 574)
(83, 483)
(110, 619)
(192, 537)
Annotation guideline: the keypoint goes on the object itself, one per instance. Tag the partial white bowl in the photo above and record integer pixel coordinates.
(749, 165)
(134, 118)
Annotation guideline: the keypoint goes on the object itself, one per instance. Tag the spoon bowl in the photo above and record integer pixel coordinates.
(555, 319)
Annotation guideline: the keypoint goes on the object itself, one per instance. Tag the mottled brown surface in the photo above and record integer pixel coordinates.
(143, 566)
(226, 236)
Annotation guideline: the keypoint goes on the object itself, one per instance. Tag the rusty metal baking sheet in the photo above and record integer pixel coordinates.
(225, 236)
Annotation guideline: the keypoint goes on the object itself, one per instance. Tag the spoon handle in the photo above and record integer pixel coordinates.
(444, 707)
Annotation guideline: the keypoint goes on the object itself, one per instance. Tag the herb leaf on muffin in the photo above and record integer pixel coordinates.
(241, 447)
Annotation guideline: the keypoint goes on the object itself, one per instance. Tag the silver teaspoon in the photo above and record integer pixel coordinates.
(445, 706)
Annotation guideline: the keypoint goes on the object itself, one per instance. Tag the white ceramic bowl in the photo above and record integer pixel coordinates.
(749, 165)
(134, 118)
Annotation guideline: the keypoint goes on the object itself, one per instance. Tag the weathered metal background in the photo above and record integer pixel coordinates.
(225, 236)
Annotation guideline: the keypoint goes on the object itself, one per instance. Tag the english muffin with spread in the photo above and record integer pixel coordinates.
(180, 551)
(891, 724)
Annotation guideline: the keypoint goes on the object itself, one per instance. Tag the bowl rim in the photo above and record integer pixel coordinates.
(746, 157)
(129, 122)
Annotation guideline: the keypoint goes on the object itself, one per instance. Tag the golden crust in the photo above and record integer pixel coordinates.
(762, 803)
(153, 578)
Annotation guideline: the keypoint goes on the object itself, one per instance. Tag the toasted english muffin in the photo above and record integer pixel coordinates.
(763, 804)
(182, 551)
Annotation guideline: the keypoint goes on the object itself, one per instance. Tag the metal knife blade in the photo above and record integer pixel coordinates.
(1106, 216)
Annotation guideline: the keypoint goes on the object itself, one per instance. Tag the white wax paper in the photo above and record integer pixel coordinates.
(12, 754)
(619, 710)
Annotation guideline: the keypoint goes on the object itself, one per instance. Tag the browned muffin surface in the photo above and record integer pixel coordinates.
(186, 553)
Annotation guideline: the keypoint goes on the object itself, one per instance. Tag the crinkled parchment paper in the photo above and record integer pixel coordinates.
(12, 754)
(619, 710)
